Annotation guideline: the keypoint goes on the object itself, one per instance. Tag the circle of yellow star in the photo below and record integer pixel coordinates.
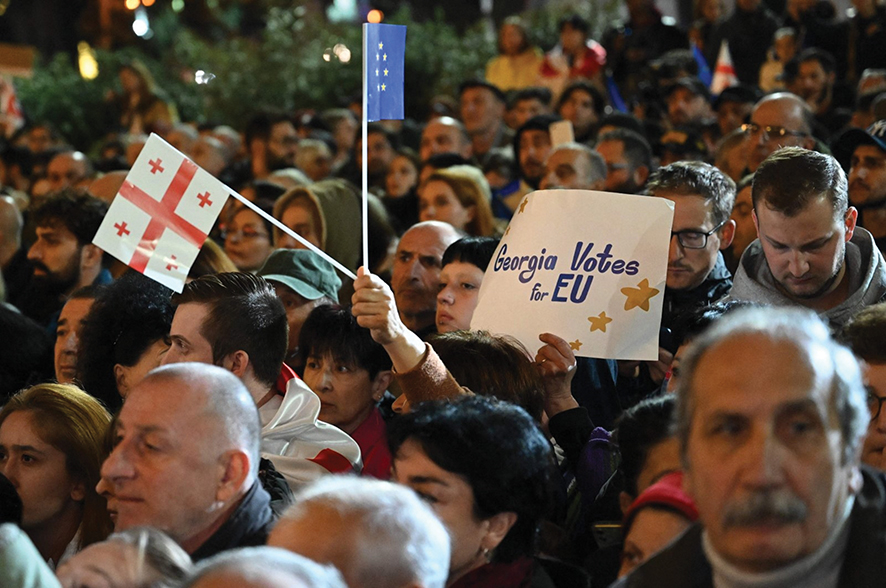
(383, 87)
(386, 71)
(575, 345)
(639, 296)
(599, 322)
(381, 45)
(384, 57)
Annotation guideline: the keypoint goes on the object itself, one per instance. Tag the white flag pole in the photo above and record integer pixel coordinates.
(365, 167)
(293, 234)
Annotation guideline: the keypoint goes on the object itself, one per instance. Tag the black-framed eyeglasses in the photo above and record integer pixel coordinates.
(875, 404)
(695, 239)
(770, 132)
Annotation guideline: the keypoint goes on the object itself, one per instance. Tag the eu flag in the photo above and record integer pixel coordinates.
(384, 49)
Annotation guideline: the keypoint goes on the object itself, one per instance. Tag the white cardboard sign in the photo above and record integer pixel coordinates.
(587, 266)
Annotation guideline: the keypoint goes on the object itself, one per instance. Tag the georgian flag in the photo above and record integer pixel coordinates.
(162, 214)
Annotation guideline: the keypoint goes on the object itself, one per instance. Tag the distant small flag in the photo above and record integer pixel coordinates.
(385, 48)
(162, 214)
(724, 72)
(704, 71)
(11, 116)
(615, 98)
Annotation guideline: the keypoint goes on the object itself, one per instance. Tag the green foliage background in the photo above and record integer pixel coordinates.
(283, 68)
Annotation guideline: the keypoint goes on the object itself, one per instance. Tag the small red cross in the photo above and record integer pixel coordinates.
(171, 266)
(204, 199)
(121, 229)
(155, 165)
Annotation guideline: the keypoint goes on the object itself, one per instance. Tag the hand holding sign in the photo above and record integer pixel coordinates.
(589, 266)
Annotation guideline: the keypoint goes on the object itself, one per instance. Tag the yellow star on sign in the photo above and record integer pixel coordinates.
(384, 57)
(381, 45)
(523, 204)
(386, 71)
(575, 345)
(383, 87)
(639, 296)
(598, 323)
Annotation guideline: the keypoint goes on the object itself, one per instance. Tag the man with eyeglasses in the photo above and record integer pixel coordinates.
(697, 274)
(809, 251)
(866, 337)
(778, 120)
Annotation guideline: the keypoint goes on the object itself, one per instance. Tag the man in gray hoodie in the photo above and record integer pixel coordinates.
(809, 251)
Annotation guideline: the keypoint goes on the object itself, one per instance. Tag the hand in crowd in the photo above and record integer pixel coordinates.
(556, 364)
(658, 369)
(376, 309)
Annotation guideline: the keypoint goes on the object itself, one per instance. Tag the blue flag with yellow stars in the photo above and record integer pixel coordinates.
(384, 53)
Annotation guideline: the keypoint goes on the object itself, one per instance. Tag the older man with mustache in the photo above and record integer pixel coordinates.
(771, 413)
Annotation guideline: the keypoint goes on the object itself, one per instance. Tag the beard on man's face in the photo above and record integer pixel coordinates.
(57, 282)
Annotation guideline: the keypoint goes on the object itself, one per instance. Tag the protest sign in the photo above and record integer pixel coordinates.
(587, 266)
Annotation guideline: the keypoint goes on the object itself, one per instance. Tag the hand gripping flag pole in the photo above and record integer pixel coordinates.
(384, 48)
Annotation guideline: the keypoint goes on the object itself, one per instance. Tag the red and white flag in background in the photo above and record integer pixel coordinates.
(724, 71)
(162, 214)
(11, 116)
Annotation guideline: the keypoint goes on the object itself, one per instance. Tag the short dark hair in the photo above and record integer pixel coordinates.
(493, 365)
(78, 212)
(696, 178)
(792, 177)
(865, 334)
(499, 451)
(539, 93)
(581, 85)
(576, 21)
(244, 314)
(475, 83)
(376, 128)
(331, 330)
(474, 250)
(261, 124)
(637, 431)
(130, 315)
(637, 150)
(824, 58)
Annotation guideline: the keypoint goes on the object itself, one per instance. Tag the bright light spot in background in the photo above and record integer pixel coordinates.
(342, 52)
(375, 16)
(86, 61)
(148, 2)
(132, 4)
(141, 26)
(327, 54)
(203, 77)
(178, 5)
(342, 11)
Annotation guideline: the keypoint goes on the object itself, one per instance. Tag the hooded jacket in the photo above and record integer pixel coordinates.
(865, 270)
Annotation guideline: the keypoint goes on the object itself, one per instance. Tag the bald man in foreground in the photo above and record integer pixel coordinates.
(186, 461)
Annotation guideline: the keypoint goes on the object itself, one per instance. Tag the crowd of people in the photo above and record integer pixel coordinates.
(278, 423)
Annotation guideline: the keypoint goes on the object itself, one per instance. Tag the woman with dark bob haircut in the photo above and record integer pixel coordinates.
(489, 473)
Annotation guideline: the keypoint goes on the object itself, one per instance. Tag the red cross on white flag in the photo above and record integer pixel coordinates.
(162, 214)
